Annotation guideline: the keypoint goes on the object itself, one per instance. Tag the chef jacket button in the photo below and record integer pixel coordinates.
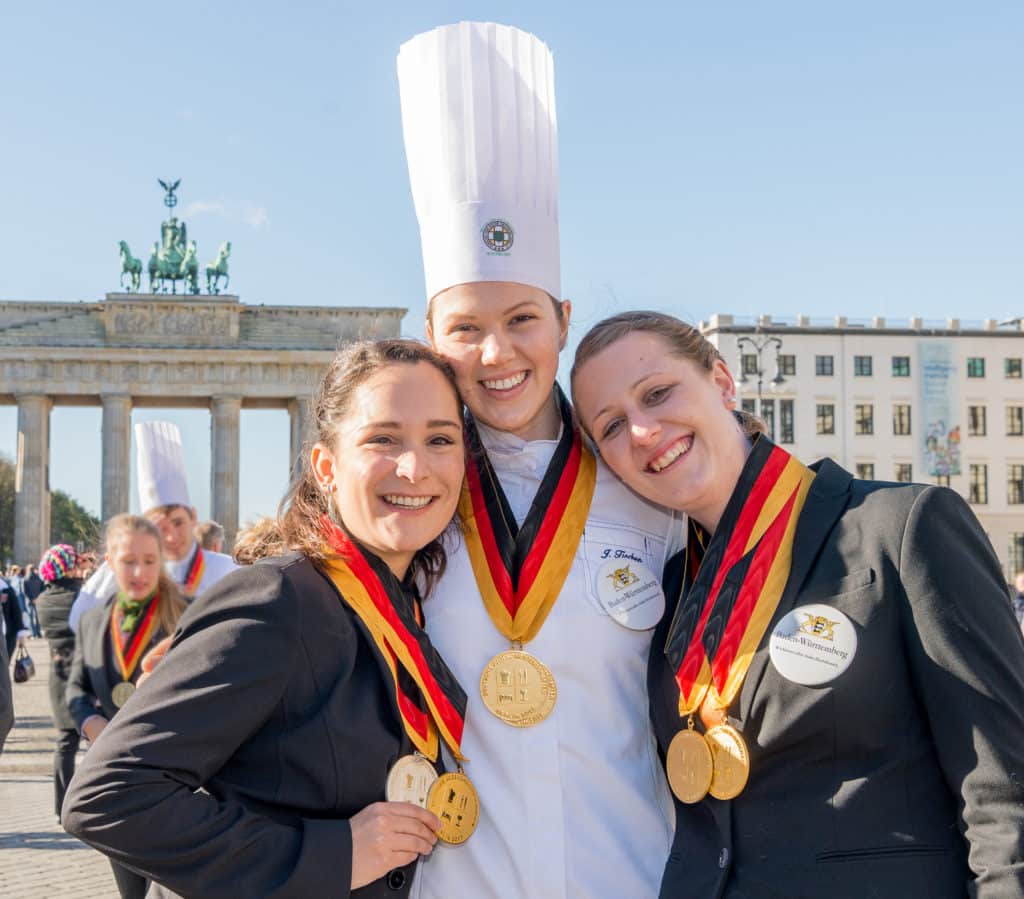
(396, 879)
(723, 858)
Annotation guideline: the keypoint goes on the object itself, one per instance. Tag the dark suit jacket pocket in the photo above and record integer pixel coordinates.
(883, 852)
(819, 590)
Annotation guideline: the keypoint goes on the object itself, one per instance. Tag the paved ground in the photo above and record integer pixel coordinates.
(37, 858)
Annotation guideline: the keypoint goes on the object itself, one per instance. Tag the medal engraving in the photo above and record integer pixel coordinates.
(518, 688)
(454, 800)
(688, 764)
(121, 692)
(410, 780)
(730, 761)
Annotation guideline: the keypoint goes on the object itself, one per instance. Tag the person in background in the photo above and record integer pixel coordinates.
(839, 690)
(32, 586)
(87, 565)
(210, 536)
(113, 638)
(164, 499)
(6, 694)
(15, 621)
(59, 569)
(301, 692)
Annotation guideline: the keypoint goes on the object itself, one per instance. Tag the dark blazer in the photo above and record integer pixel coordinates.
(274, 699)
(903, 776)
(89, 686)
(53, 606)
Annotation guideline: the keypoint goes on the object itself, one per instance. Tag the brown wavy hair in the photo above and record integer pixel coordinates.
(305, 505)
(170, 604)
(684, 341)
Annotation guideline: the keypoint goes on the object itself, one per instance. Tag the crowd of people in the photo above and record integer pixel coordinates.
(501, 644)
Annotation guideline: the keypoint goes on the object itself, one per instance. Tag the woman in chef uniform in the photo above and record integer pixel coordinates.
(550, 600)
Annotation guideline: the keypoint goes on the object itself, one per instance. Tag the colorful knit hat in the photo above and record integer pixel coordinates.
(57, 562)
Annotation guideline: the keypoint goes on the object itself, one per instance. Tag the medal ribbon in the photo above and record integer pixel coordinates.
(520, 571)
(404, 646)
(732, 591)
(129, 646)
(195, 572)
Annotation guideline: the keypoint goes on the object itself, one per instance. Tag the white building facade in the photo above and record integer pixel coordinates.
(930, 402)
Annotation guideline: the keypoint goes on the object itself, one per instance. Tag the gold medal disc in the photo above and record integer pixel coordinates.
(121, 692)
(689, 766)
(454, 800)
(410, 780)
(730, 760)
(518, 688)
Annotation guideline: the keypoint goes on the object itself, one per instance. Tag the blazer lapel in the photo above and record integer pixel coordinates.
(826, 500)
(101, 686)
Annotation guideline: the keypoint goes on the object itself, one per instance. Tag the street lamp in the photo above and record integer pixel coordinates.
(759, 345)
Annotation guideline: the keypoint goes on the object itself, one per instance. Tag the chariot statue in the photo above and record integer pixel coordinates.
(219, 269)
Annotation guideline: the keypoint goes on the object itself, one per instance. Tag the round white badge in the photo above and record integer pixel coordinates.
(813, 645)
(630, 593)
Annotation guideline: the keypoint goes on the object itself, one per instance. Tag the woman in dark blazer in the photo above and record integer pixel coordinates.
(278, 697)
(59, 571)
(848, 643)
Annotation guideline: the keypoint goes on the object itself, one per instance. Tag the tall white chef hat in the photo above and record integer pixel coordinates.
(478, 114)
(161, 461)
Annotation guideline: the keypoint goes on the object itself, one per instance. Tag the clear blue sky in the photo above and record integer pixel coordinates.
(783, 158)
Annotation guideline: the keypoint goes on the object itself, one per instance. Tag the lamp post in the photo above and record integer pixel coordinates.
(759, 345)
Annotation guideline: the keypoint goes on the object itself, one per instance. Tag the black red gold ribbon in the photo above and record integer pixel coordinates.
(520, 570)
(732, 589)
(421, 677)
(129, 645)
(195, 572)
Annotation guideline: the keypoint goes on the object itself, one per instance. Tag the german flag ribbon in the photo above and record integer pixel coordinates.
(429, 697)
(131, 642)
(195, 572)
(520, 570)
(732, 588)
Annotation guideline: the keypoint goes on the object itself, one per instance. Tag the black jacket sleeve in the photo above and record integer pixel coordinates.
(223, 680)
(966, 658)
(79, 695)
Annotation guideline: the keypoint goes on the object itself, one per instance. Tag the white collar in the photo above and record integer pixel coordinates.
(179, 569)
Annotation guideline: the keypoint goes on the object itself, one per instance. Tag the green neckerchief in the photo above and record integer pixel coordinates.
(131, 610)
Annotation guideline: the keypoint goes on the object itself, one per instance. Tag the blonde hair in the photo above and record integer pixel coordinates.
(171, 605)
(684, 341)
(259, 540)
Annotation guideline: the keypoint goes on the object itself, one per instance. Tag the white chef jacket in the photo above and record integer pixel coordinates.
(578, 805)
(102, 584)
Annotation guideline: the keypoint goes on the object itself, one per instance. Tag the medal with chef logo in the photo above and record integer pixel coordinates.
(732, 585)
(429, 699)
(132, 623)
(520, 571)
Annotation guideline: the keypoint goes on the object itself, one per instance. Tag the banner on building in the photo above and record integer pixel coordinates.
(940, 407)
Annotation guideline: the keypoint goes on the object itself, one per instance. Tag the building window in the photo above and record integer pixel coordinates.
(825, 418)
(901, 366)
(904, 472)
(786, 429)
(1015, 556)
(901, 419)
(866, 471)
(1011, 368)
(787, 365)
(978, 485)
(977, 426)
(942, 480)
(1015, 421)
(749, 406)
(1015, 484)
(862, 366)
(768, 416)
(863, 418)
(748, 364)
(824, 365)
(976, 367)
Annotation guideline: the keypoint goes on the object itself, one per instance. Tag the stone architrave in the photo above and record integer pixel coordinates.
(117, 441)
(225, 416)
(31, 480)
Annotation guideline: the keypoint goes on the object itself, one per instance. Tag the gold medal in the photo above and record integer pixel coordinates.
(688, 764)
(410, 780)
(518, 688)
(730, 760)
(454, 800)
(121, 692)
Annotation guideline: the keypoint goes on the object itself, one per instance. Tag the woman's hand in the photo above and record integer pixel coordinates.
(153, 658)
(93, 727)
(388, 835)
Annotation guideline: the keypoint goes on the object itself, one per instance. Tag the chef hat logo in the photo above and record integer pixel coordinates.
(498, 236)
